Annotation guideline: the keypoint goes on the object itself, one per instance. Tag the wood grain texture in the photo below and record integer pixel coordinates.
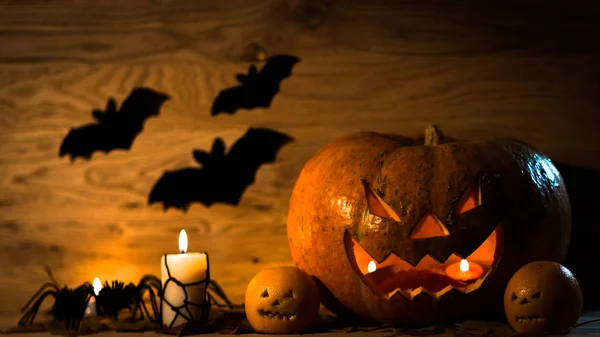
(524, 69)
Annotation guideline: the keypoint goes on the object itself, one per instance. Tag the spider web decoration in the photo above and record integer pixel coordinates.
(189, 310)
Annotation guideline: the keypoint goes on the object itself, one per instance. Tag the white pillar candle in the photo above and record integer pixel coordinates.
(185, 269)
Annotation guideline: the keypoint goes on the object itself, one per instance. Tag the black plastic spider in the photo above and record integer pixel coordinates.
(69, 304)
(215, 292)
(117, 296)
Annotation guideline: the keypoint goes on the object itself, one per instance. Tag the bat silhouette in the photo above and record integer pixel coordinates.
(256, 89)
(113, 130)
(223, 177)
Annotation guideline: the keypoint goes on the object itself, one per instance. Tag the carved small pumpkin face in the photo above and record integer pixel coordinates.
(281, 300)
(542, 298)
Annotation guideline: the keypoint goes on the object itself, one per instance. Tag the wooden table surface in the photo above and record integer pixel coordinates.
(462, 329)
(523, 69)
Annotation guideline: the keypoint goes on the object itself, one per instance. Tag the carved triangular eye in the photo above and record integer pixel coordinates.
(378, 206)
(264, 294)
(429, 227)
(513, 297)
(470, 200)
(289, 294)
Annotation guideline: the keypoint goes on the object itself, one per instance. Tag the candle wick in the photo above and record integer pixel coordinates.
(182, 252)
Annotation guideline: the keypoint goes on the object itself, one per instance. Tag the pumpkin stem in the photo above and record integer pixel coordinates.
(433, 135)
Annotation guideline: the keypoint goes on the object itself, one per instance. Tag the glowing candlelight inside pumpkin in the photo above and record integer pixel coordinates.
(464, 270)
(371, 267)
(464, 265)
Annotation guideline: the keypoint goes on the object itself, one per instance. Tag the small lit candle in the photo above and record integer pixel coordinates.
(376, 276)
(91, 309)
(371, 267)
(464, 270)
(186, 268)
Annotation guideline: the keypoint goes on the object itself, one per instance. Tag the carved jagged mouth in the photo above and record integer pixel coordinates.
(276, 315)
(429, 276)
(530, 319)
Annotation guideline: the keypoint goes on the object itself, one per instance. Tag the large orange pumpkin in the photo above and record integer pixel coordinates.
(377, 219)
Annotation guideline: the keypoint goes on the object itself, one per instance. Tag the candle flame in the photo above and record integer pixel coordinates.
(371, 267)
(97, 286)
(183, 242)
(464, 265)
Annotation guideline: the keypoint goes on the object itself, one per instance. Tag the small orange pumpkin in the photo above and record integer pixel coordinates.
(281, 300)
(542, 297)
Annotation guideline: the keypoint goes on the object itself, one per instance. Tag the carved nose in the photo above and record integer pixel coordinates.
(275, 303)
(429, 227)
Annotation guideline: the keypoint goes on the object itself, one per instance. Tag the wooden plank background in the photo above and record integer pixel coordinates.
(479, 69)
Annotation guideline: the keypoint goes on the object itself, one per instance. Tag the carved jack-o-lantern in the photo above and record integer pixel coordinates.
(281, 300)
(542, 297)
(382, 220)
